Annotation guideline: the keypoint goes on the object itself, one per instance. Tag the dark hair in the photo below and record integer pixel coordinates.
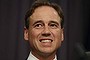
(43, 3)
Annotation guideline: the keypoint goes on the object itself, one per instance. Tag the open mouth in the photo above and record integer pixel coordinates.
(46, 40)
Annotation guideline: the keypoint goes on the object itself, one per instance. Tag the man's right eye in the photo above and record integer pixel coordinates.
(38, 26)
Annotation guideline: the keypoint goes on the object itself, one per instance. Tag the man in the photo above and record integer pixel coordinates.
(44, 30)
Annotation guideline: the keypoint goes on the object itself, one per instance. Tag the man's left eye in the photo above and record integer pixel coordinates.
(53, 25)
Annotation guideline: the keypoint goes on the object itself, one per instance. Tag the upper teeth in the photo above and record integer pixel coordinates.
(44, 41)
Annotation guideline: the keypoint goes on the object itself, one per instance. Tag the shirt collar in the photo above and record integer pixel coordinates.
(32, 57)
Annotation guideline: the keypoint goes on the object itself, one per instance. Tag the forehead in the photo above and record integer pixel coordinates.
(45, 13)
(42, 10)
(45, 9)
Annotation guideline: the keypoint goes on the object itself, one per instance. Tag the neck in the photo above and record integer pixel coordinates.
(44, 56)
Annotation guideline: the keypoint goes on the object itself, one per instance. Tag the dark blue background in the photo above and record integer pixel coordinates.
(77, 28)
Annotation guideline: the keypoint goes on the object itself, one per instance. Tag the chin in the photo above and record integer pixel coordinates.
(47, 51)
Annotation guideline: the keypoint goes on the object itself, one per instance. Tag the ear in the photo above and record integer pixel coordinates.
(25, 33)
(62, 35)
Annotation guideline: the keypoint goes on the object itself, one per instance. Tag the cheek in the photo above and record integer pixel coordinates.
(58, 36)
(33, 34)
(58, 39)
(57, 33)
(33, 37)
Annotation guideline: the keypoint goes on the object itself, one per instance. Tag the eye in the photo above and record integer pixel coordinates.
(53, 25)
(38, 25)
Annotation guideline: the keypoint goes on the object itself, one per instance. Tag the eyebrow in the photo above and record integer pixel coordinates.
(54, 22)
(39, 21)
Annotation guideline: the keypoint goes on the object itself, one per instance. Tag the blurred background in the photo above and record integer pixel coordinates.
(76, 45)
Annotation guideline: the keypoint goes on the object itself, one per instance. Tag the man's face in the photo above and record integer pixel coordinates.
(44, 34)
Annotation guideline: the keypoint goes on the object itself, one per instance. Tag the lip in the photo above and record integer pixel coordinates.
(46, 39)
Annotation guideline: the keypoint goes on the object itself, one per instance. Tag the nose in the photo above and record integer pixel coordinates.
(46, 32)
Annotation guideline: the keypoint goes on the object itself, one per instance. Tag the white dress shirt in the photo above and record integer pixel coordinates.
(32, 57)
